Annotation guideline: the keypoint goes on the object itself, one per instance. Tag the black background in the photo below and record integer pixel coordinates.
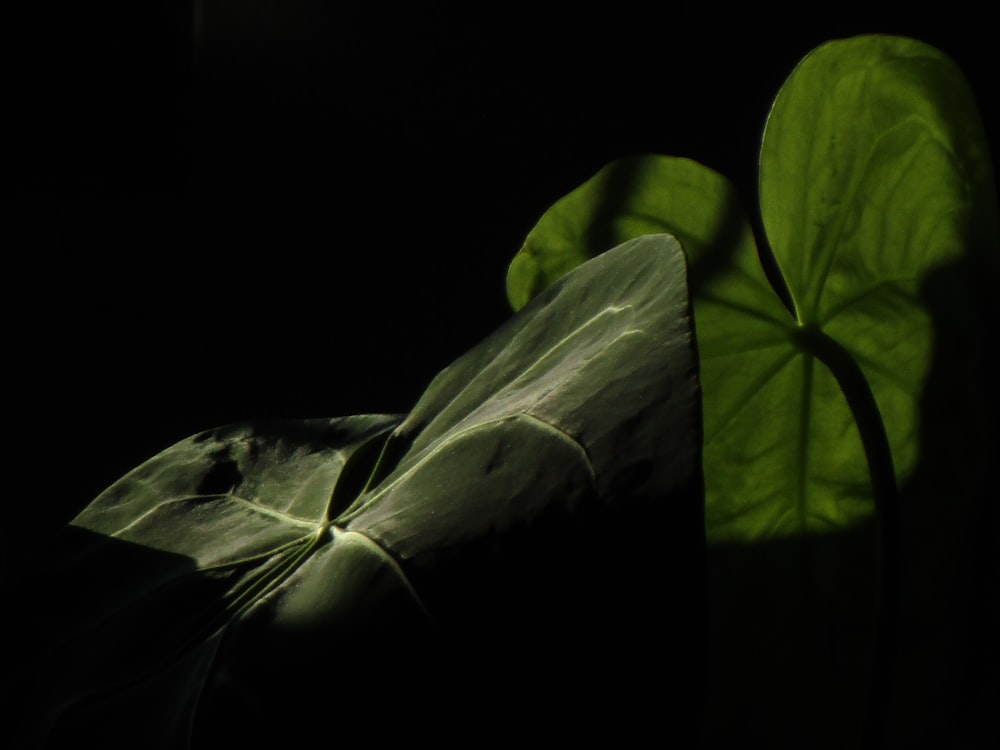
(231, 209)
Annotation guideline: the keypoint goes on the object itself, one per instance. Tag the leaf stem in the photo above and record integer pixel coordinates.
(865, 410)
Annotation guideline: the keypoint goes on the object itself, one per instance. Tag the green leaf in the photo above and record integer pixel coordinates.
(628, 198)
(878, 201)
(889, 183)
(380, 576)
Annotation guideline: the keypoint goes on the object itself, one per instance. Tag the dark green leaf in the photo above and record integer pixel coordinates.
(377, 577)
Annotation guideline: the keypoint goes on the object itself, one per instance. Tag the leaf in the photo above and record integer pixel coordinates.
(889, 184)
(744, 333)
(878, 201)
(630, 197)
(381, 576)
(882, 214)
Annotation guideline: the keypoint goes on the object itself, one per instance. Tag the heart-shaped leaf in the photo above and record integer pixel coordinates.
(878, 200)
(380, 577)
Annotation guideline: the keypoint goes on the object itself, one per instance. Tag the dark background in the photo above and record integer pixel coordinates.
(232, 209)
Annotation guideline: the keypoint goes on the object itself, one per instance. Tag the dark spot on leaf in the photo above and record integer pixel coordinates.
(221, 478)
